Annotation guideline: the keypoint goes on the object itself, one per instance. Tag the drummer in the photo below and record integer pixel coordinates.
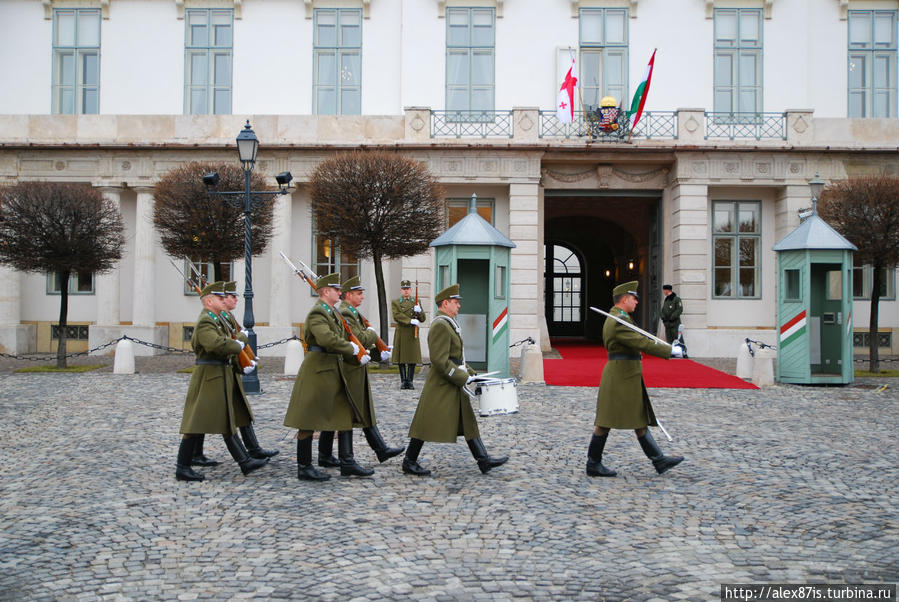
(444, 409)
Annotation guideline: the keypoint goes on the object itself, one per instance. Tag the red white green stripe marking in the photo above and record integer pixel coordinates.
(500, 324)
(793, 329)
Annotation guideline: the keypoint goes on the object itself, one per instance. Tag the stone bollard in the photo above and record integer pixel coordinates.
(744, 362)
(530, 367)
(124, 358)
(763, 367)
(293, 357)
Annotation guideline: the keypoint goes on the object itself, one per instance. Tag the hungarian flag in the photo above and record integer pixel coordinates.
(565, 101)
(641, 93)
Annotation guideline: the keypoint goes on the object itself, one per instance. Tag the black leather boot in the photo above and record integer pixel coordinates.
(305, 470)
(240, 455)
(403, 377)
(326, 457)
(199, 459)
(595, 467)
(252, 445)
(410, 460)
(652, 451)
(348, 465)
(485, 462)
(410, 375)
(377, 443)
(183, 471)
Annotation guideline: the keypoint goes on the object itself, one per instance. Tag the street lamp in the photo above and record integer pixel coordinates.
(817, 187)
(247, 147)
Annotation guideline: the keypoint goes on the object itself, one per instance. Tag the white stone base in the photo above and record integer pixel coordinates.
(530, 368)
(723, 343)
(18, 339)
(270, 334)
(98, 335)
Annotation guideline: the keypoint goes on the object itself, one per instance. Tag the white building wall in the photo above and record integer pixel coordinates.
(25, 86)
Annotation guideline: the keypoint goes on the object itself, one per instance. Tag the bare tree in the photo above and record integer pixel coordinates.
(193, 223)
(62, 229)
(866, 211)
(378, 205)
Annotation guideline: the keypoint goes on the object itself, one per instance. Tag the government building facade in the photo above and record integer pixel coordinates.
(748, 101)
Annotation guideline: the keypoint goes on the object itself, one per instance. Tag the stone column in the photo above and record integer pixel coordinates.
(280, 281)
(15, 338)
(107, 325)
(525, 309)
(143, 300)
(687, 224)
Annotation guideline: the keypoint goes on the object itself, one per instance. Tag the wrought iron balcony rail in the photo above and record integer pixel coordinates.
(589, 124)
(471, 124)
(746, 125)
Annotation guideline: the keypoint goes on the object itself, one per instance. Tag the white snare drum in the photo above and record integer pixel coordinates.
(497, 396)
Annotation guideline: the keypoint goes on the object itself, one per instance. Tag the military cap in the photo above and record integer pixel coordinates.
(667, 287)
(332, 280)
(450, 292)
(628, 288)
(405, 284)
(213, 288)
(353, 284)
(231, 287)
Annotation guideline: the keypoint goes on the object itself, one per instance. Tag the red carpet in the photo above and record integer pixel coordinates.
(582, 363)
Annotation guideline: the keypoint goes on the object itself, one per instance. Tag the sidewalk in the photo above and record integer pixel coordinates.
(785, 484)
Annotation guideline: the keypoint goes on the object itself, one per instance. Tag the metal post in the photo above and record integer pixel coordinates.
(251, 384)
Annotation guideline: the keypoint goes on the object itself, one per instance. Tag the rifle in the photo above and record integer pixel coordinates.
(245, 358)
(304, 274)
(381, 345)
(415, 328)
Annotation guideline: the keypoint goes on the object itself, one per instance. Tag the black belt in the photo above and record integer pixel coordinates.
(201, 362)
(625, 356)
(456, 361)
(316, 348)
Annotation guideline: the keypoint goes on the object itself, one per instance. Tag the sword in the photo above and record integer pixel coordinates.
(646, 334)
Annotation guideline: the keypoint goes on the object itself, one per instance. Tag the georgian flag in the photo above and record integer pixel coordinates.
(565, 100)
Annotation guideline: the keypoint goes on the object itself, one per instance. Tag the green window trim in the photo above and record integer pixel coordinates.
(736, 249)
(470, 63)
(208, 61)
(872, 63)
(863, 280)
(738, 61)
(328, 258)
(206, 268)
(80, 283)
(76, 61)
(337, 61)
(603, 69)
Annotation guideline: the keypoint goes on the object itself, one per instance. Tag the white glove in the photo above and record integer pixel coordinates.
(390, 348)
(677, 350)
(249, 369)
(414, 322)
(355, 348)
(417, 308)
(365, 359)
(245, 333)
(385, 355)
(372, 328)
(241, 343)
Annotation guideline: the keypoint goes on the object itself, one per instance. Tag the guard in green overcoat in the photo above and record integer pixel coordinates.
(357, 380)
(409, 317)
(213, 404)
(444, 410)
(321, 399)
(623, 402)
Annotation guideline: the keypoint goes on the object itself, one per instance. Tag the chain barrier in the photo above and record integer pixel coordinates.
(527, 340)
(281, 342)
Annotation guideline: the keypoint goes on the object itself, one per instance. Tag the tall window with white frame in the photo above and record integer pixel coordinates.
(738, 62)
(872, 63)
(329, 258)
(337, 59)
(208, 51)
(470, 63)
(736, 244)
(76, 61)
(603, 34)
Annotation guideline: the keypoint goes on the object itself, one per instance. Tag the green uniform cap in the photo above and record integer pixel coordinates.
(332, 280)
(405, 284)
(213, 288)
(353, 284)
(629, 288)
(450, 292)
(231, 287)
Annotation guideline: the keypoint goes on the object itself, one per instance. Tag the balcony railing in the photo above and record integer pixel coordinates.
(746, 125)
(653, 124)
(471, 124)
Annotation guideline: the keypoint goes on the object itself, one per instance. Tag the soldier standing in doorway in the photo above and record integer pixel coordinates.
(672, 308)
(408, 316)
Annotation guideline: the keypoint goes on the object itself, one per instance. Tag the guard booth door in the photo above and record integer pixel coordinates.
(474, 282)
(826, 319)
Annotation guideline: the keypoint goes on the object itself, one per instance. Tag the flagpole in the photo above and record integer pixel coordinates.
(580, 91)
(631, 133)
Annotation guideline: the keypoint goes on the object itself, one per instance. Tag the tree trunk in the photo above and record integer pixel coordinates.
(873, 358)
(382, 296)
(217, 271)
(63, 319)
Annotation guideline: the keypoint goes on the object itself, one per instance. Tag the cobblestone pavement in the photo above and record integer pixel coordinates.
(786, 484)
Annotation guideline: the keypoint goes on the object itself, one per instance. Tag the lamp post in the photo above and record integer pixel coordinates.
(247, 147)
(817, 187)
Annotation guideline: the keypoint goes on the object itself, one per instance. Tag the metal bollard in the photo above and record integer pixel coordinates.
(530, 368)
(124, 358)
(763, 367)
(744, 362)
(293, 357)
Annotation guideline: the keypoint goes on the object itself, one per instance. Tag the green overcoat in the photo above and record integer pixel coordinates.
(215, 402)
(672, 308)
(320, 400)
(406, 346)
(623, 402)
(238, 380)
(356, 375)
(444, 409)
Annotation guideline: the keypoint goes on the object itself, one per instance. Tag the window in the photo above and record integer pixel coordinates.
(337, 62)
(456, 209)
(328, 259)
(736, 242)
(208, 48)
(80, 283)
(207, 269)
(738, 60)
(792, 290)
(566, 283)
(76, 61)
(872, 63)
(442, 277)
(603, 44)
(863, 280)
(500, 282)
(470, 47)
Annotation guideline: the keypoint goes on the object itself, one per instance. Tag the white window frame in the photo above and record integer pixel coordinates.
(74, 284)
(736, 236)
(866, 273)
(596, 85)
(468, 52)
(870, 99)
(736, 50)
(341, 51)
(68, 97)
(215, 86)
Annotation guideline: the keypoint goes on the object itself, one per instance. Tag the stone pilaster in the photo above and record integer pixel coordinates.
(280, 281)
(688, 216)
(108, 313)
(143, 312)
(525, 309)
(15, 338)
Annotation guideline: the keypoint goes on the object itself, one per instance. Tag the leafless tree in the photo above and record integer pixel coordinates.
(866, 211)
(193, 223)
(59, 228)
(378, 205)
